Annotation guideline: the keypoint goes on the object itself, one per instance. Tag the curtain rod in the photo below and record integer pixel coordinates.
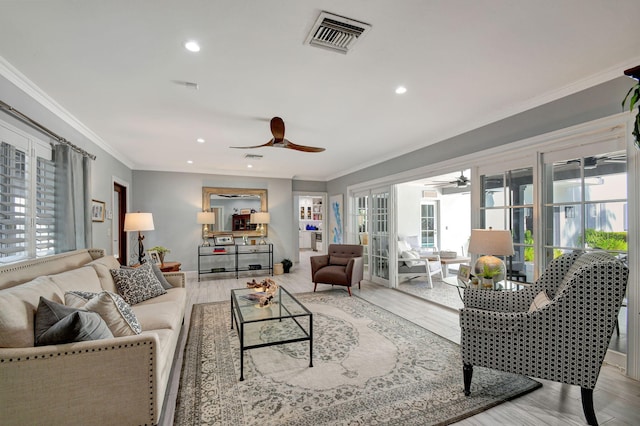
(34, 124)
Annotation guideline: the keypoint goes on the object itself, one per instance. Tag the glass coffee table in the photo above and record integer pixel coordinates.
(289, 320)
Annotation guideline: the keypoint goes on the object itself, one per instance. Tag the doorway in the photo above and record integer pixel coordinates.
(119, 244)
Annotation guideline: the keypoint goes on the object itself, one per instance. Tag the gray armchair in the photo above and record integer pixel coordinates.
(563, 338)
(342, 265)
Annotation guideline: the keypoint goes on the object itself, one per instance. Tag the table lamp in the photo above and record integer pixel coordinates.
(139, 222)
(206, 218)
(260, 219)
(489, 243)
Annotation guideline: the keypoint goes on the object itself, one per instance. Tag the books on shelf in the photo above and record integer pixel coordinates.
(219, 250)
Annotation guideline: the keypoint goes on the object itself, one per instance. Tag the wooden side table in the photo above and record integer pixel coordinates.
(170, 266)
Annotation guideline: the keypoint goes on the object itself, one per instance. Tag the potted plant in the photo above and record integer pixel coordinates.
(286, 265)
(161, 252)
(487, 275)
(528, 256)
(633, 95)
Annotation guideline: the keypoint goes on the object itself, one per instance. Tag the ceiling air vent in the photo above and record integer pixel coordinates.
(336, 33)
(253, 156)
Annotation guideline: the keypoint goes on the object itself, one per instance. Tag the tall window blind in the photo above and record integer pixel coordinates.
(27, 176)
(45, 202)
(13, 208)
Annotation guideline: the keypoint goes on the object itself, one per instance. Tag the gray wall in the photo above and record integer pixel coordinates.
(309, 186)
(596, 102)
(175, 198)
(104, 168)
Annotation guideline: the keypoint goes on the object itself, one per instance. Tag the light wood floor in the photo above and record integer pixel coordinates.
(616, 397)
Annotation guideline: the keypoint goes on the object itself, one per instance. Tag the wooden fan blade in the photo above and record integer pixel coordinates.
(277, 129)
(270, 143)
(291, 145)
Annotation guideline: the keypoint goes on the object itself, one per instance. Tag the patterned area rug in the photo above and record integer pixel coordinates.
(370, 367)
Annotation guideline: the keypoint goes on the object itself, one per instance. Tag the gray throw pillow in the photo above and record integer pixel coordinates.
(57, 324)
(160, 276)
(111, 307)
(137, 285)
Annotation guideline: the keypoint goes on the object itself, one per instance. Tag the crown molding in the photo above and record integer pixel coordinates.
(12, 74)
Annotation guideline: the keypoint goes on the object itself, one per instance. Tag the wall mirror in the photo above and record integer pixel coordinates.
(233, 207)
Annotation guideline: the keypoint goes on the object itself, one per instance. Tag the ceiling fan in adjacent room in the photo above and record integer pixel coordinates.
(279, 141)
(461, 181)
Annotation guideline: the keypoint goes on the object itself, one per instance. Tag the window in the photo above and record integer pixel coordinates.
(586, 204)
(507, 203)
(428, 224)
(26, 197)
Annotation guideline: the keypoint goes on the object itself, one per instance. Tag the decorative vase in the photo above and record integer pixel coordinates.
(161, 256)
(487, 283)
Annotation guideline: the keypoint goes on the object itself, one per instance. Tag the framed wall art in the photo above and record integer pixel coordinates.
(97, 211)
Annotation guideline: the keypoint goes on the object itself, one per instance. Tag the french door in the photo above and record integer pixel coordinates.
(371, 221)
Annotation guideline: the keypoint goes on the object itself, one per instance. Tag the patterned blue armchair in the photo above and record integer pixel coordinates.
(558, 329)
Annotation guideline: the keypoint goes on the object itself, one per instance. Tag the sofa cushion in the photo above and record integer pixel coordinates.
(57, 324)
(340, 261)
(137, 285)
(18, 307)
(84, 278)
(118, 315)
(103, 266)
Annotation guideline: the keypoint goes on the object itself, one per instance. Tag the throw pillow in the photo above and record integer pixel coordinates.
(411, 254)
(137, 285)
(117, 314)
(403, 246)
(77, 299)
(160, 276)
(158, 273)
(57, 324)
(541, 300)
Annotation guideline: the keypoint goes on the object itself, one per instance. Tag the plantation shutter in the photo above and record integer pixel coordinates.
(45, 207)
(13, 202)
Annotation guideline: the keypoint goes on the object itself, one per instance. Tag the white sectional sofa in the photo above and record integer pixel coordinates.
(112, 381)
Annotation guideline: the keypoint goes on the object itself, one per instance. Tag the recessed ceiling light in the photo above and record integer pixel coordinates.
(400, 90)
(189, 161)
(200, 140)
(249, 165)
(192, 46)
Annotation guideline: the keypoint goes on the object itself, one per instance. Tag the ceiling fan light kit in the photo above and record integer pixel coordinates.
(279, 141)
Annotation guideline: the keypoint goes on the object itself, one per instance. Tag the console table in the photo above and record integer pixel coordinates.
(235, 258)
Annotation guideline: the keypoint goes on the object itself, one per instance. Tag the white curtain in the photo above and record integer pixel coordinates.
(73, 199)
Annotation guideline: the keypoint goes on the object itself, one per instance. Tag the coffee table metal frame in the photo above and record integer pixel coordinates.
(283, 308)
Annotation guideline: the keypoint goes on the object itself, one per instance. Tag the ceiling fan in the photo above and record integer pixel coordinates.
(461, 181)
(279, 141)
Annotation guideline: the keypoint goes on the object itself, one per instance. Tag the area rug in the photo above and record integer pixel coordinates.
(370, 366)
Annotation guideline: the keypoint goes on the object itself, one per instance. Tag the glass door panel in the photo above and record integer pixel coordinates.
(379, 229)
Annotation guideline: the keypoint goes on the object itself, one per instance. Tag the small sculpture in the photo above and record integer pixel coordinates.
(268, 287)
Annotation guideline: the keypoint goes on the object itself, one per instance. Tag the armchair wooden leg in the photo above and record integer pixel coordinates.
(349, 290)
(314, 287)
(467, 371)
(587, 406)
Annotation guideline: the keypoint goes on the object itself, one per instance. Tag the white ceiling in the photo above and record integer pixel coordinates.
(111, 64)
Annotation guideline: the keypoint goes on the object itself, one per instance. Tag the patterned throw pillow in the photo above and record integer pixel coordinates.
(137, 285)
(111, 307)
(57, 324)
(541, 300)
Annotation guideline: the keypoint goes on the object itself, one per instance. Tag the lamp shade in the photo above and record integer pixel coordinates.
(260, 217)
(206, 218)
(491, 242)
(138, 222)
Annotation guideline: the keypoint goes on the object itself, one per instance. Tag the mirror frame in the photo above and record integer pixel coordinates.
(208, 191)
